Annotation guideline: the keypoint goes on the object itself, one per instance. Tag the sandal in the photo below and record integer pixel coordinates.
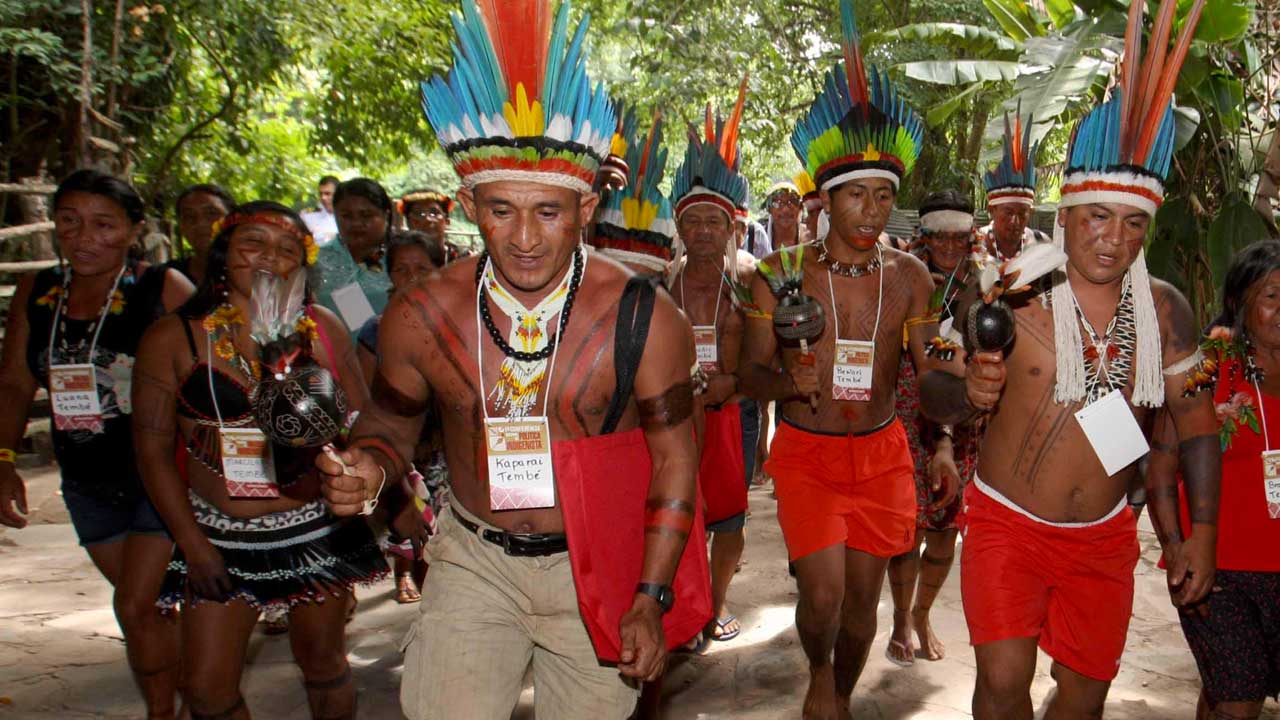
(406, 591)
(906, 649)
(726, 634)
(697, 645)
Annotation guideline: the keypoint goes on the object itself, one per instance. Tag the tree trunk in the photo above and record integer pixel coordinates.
(82, 132)
(973, 146)
(34, 208)
(1267, 199)
(117, 28)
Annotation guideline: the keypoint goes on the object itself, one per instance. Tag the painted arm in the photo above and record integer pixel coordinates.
(664, 398)
(384, 435)
(757, 375)
(1199, 453)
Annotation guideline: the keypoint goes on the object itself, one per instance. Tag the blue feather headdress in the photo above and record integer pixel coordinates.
(1120, 152)
(709, 174)
(517, 103)
(857, 128)
(635, 223)
(1014, 179)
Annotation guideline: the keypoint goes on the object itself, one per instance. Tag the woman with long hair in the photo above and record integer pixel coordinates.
(244, 545)
(1234, 633)
(74, 329)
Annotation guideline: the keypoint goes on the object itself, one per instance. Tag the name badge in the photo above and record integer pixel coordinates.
(704, 342)
(1113, 432)
(852, 370)
(1271, 480)
(353, 306)
(73, 395)
(247, 464)
(519, 456)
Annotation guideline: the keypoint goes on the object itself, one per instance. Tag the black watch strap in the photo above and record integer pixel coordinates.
(662, 593)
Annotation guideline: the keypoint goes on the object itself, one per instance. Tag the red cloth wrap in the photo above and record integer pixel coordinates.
(722, 473)
(602, 483)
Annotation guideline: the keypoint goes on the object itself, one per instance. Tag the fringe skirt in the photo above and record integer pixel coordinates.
(282, 559)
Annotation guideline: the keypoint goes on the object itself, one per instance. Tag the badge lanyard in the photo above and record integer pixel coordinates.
(835, 314)
(518, 450)
(1270, 462)
(715, 319)
(546, 398)
(709, 361)
(247, 476)
(98, 323)
(853, 354)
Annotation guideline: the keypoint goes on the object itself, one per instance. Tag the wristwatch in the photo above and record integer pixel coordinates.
(662, 593)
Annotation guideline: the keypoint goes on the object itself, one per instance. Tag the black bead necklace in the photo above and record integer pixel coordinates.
(496, 334)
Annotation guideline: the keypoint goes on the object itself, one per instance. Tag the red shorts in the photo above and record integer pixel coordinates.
(1070, 586)
(721, 474)
(858, 490)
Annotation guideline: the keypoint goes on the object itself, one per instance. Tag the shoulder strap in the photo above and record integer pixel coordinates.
(635, 310)
(328, 345)
(191, 340)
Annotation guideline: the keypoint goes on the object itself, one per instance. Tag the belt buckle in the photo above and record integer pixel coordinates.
(506, 543)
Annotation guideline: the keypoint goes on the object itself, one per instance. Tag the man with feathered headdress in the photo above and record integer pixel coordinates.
(708, 192)
(841, 466)
(569, 440)
(634, 224)
(1103, 347)
(1011, 194)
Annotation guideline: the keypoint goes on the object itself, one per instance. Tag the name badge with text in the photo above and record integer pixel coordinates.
(247, 465)
(704, 342)
(852, 370)
(1271, 480)
(519, 456)
(1113, 432)
(73, 396)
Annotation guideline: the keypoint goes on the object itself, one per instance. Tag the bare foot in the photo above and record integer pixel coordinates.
(820, 703)
(931, 648)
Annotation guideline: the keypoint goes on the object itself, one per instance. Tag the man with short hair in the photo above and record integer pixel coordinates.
(708, 191)
(564, 392)
(321, 221)
(1096, 353)
(427, 211)
(841, 466)
(783, 225)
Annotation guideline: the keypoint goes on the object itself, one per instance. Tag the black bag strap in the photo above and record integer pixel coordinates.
(635, 310)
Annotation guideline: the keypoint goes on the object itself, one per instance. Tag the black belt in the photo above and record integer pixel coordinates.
(518, 544)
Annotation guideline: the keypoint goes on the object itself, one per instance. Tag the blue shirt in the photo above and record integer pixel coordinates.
(335, 269)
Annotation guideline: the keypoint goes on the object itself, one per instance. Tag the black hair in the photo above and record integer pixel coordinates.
(108, 186)
(1250, 265)
(328, 180)
(364, 188)
(413, 238)
(210, 293)
(946, 200)
(209, 189)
